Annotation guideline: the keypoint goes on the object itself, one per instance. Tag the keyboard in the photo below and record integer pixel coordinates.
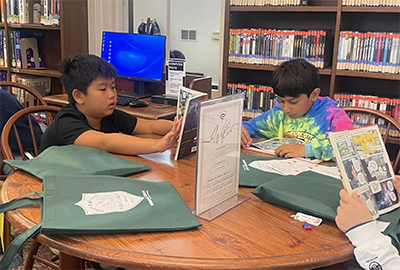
(124, 100)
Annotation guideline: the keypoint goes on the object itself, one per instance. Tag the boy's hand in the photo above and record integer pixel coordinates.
(246, 141)
(171, 137)
(291, 150)
(396, 183)
(351, 211)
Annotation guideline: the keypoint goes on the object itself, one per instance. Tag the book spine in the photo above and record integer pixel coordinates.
(1, 48)
(8, 7)
(12, 50)
(42, 6)
(4, 41)
(16, 11)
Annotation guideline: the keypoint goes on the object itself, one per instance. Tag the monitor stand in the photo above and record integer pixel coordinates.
(138, 91)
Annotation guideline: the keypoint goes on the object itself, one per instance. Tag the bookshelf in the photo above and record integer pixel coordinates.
(68, 38)
(319, 14)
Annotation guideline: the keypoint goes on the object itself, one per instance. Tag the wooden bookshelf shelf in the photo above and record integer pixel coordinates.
(393, 140)
(3, 69)
(372, 75)
(268, 67)
(33, 26)
(284, 9)
(38, 72)
(372, 9)
(248, 66)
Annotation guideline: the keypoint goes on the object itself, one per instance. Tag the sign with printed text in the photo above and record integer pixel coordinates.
(175, 76)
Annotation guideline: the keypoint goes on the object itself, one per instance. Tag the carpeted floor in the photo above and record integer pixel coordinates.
(43, 251)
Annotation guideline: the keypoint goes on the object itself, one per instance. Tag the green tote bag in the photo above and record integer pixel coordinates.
(317, 195)
(251, 177)
(101, 205)
(77, 160)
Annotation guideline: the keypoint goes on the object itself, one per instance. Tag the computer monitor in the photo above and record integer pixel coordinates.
(136, 57)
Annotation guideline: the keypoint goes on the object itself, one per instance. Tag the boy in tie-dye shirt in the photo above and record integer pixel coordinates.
(299, 113)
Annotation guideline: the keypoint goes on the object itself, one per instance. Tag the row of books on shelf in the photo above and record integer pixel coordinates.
(389, 106)
(25, 49)
(370, 51)
(272, 46)
(42, 85)
(371, 3)
(268, 2)
(45, 12)
(257, 98)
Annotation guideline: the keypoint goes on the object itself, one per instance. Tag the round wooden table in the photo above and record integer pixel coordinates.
(252, 235)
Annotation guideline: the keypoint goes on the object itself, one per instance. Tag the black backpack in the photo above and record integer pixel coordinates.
(154, 28)
(142, 28)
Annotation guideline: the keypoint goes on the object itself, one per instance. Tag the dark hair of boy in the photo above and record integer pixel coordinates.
(79, 72)
(295, 77)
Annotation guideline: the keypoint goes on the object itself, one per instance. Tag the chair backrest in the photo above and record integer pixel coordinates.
(24, 94)
(203, 84)
(48, 111)
(388, 126)
(190, 76)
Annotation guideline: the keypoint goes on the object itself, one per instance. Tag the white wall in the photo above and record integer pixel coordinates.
(155, 9)
(201, 15)
(204, 17)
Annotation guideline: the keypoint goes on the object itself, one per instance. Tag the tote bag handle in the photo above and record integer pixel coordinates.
(13, 255)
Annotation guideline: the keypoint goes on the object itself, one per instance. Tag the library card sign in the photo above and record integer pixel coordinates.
(218, 156)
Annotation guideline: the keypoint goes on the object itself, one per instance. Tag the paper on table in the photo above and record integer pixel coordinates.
(328, 171)
(293, 166)
(283, 167)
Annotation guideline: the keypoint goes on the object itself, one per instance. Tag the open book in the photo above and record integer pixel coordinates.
(270, 145)
(188, 103)
(365, 167)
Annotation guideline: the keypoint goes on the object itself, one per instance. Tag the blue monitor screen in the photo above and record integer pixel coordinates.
(135, 56)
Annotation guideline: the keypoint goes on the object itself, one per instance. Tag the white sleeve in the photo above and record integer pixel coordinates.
(373, 250)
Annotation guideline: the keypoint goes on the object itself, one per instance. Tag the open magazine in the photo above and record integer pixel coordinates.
(270, 145)
(188, 103)
(365, 167)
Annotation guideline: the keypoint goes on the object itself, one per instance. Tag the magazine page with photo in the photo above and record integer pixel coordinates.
(365, 167)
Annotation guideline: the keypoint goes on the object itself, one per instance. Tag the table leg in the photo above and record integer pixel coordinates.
(68, 262)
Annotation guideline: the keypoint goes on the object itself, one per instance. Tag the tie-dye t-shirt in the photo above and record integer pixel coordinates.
(324, 116)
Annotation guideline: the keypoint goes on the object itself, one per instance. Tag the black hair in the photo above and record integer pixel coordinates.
(79, 72)
(295, 77)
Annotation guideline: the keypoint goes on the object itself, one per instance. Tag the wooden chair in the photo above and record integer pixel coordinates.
(388, 126)
(203, 84)
(28, 97)
(24, 94)
(190, 76)
(50, 112)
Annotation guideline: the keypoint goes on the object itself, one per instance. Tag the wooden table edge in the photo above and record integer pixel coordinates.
(119, 258)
